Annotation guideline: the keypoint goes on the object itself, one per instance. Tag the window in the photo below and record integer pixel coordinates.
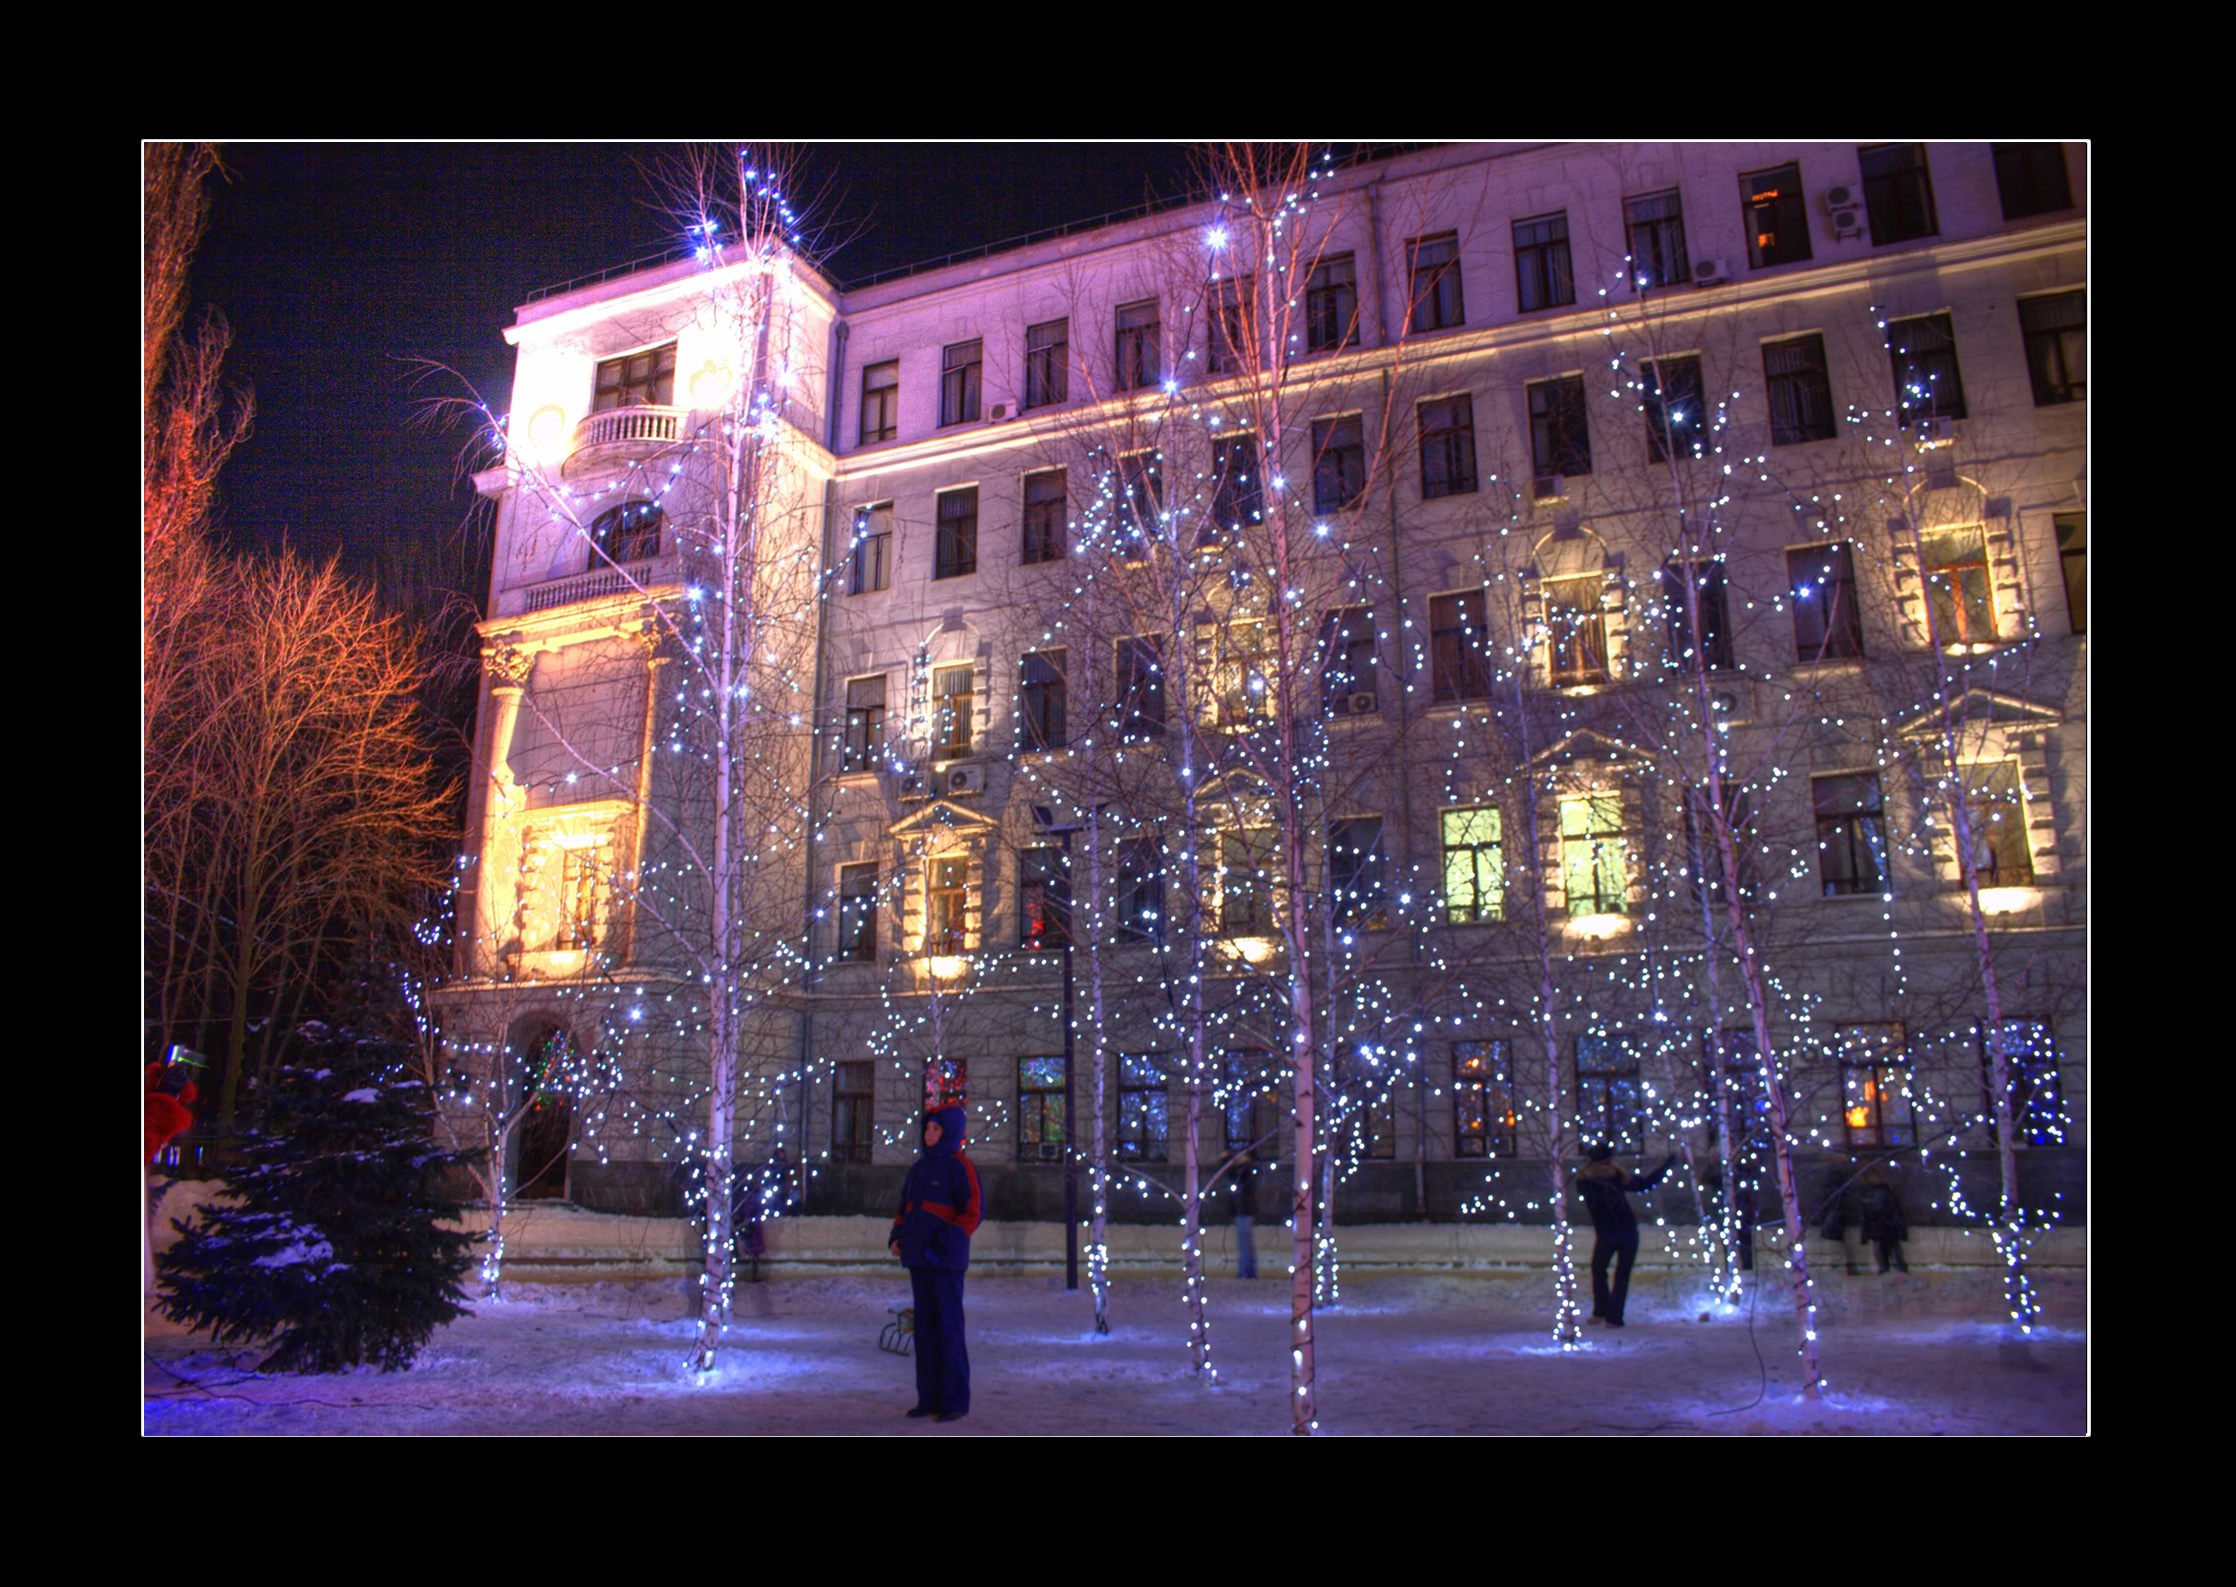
(1141, 518)
(2072, 556)
(627, 533)
(1607, 1093)
(2056, 346)
(1347, 661)
(1140, 893)
(1447, 446)
(1851, 833)
(2030, 1063)
(1232, 658)
(881, 401)
(1704, 859)
(1139, 364)
(1926, 382)
(1776, 218)
(1251, 1110)
(1827, 620)
(1040, 689)
(1045, 503)
(1474, 867)
(1047, 362)
(945, 1080)
(2031, 180)
(1338, 463)
(1432, 265)
(1331, 305)
(1237, 494)
(960, 367)
(1143, 1121)
(1576, 632)
(1698, 616)
(1743, 1089)
(853, 1092)
(1482, 1099)
(1246, 882)
(1594, 870)
(947, 907)
(1560, 441)
(1898, 191)
(872, 561)
(1875, 1085)
(955, 551)
(1676, 404)
(865, 725)
(1141, 687)
(857, 932)
(1800, 390)
(1656, 226)
(1956, 585)
(645, 379)
(1378, 1123)
(1542, 276)
(581, 900)
(1459, 669)
(1358, 873)
(1995, 801)
(1043, 897)
(951, 712)
(1233, 322)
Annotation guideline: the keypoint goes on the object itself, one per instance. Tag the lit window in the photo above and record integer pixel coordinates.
(1875, 1085)
(1576, 629)
(1474, 867)
(1995, 804)
(1482, 1099)
(945, 1080)
(951, 723)
(947, 907)
(1594, 861)
(1775, 215)
(1043, 897)
(1956, 583)
(1232, 658)
(1040, 1109)
(581, 901)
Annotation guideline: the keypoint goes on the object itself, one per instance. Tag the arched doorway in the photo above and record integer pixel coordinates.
(544, 1136)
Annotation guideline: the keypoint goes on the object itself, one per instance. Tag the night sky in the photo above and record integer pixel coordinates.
(340, 266)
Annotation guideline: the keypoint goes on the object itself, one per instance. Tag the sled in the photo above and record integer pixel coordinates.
(899, 1335)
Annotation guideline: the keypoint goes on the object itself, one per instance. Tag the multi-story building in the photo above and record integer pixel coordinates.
(1587, 437)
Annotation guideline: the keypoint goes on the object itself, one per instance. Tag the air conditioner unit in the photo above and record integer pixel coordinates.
(1843, 195)
(912, 787)
(1360, 702)
(1709, 272)
(1001, 413)
(1732, 701)
(1548, 487)
(1049, 1151)
(1936, 433)
(965, 779)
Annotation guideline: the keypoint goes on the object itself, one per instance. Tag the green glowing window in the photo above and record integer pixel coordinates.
(1474, 867)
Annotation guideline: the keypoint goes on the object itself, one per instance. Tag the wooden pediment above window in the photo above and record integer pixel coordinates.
(1981, 708)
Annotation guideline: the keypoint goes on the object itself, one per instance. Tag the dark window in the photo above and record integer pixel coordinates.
(1576, 631)
(960, 367)
(1995, 804)
(1595, 869)
(1482, 1099)
(1676, 405)
(1704, 860)
(1898, 191)
(1246, 882)
(853, 1094)
(1143, 1121)
(871, 563)
(1875, 1086)
(1958, 593)
(945, 1080)
(1338, 463)
(865, 725)
(1237, 493)
(1139, 363)
(1474, 866)
(1743, 1089)
(1827, 621)
(1043, 897)
(1543, 278)
(1046, 501)
(627, 533)
(1358, 873)
(955, 551)
(639, 380)
(2056, 346)
(881, 401)
(1040, 1109)
(1851, 833)
(951, 711)
(1140, 516)
(2030, 177)
(2072, 555)
(1331, 305)
(1607, 1093)
(2030, 1062)
(1041, 699)
(1233, 325)
(1250, 1103)
(1775, 215)
(1047, 363)
(1432, 265)
(1656, 224)
(1141, 892)
(947, 907)
(1378, 1123)
(1459, 668)
(1926, 382)
(1141, 688)
(857, 933)
(1347, 641)
(1800, 391)
(1447, 446)
(1698, 618)
(1560, 441)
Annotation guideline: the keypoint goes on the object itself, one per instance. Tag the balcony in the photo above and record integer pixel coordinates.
(623, 433)
(651, 574)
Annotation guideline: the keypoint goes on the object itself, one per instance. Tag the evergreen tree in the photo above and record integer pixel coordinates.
(336, 1247)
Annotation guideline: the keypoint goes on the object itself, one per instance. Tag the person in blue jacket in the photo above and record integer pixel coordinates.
(1607, 1191)
(940, 1209)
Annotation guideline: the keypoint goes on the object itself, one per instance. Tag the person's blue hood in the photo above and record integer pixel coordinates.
(951, 1128)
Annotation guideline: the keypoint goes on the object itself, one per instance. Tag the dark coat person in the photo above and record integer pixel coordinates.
(940, 1210)
(1607, 1191)
(1881, 1214)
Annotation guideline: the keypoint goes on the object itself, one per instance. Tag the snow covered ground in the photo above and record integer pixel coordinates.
(1402, 1354)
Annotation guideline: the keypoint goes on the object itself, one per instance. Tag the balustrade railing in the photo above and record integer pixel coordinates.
(599, 582)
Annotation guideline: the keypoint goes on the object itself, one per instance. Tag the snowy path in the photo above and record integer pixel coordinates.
(1403, 1355)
